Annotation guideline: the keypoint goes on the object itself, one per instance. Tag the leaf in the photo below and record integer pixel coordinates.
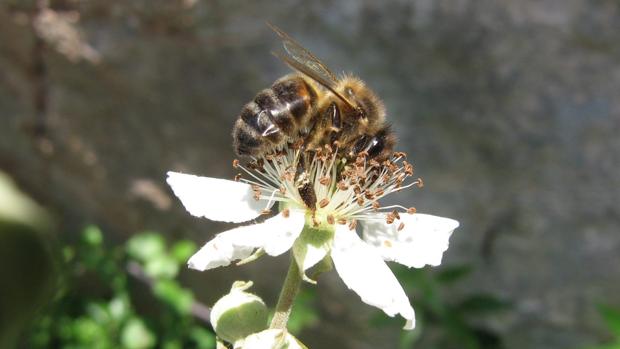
(611, 316)
(174, 295)
(449, 275)
(481, 304)
(161, 267)
(203, 338)
(92, 236)
(136, 335)
(146, 246)
(182, 250)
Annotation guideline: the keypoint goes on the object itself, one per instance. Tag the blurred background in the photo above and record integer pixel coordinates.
(510, 111)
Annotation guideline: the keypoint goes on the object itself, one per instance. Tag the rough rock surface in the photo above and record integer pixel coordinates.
(510, 110)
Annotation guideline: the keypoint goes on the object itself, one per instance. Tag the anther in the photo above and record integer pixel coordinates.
(286, 213)
(401, 226)
(342, 185)
(330, 219)
(324, 180)
(323, 203)
(411, 210)
(265, 212)
(379, 192)
(283, 190)
(235, 163)
(352, 225)
(389, 218)
(342, 221)
(375, 205)
(420, 183)
(395, 213)
(237, 177)
(360, 200)
(374, 163)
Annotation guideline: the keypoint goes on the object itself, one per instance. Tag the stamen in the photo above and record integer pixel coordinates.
(237, 177)
(325, 180)
(352, 225)
(420, 183)
(395, 213)
(330, 219)
(235, 163)
(323, 203)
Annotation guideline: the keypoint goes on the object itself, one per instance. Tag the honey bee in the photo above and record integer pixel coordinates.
(315, 107)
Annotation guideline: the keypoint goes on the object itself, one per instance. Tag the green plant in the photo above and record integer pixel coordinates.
(611, 317)
(447, 324)
(102, 291)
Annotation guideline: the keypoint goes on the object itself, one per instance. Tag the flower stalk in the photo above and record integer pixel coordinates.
(291, 285)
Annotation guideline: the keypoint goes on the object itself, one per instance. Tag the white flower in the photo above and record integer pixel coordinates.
(346, 194)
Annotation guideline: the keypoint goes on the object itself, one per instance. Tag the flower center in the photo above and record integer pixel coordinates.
(332, 187)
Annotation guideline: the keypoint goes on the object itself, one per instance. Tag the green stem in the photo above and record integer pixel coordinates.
(287, 296)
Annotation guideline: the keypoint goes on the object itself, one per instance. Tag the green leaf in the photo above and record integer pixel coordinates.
(481, 304)
(92, 235)
(183, 250)
(174, 295)
(136, 335)
(611, 316)
(305, 314)
(146, 246)
(449, 275)
(161, 267)
(204, 339)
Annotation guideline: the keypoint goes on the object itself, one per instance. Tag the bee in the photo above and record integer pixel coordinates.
(315, 107)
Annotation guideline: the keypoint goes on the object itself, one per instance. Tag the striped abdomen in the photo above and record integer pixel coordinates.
(274, 116)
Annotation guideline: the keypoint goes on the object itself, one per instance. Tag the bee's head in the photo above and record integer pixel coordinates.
(367, 105)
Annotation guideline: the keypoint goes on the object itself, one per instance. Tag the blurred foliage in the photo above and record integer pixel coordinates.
(611, 317)
(103, 289)
(441, 323)
(304, 314)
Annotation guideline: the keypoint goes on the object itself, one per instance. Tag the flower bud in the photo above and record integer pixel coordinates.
(272, 339)
(239, 313)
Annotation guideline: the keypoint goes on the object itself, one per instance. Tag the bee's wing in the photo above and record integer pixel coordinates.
(306, 63)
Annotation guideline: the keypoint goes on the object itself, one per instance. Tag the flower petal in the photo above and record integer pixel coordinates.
(363, 271)
(216, 199)
(275, 235)
(422, 240)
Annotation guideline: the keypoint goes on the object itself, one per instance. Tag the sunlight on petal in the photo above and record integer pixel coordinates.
(422, 241)
(276, 236)
(216, 199)
(362, 270)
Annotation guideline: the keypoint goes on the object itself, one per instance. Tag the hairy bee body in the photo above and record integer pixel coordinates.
(317, 108)
(275, 116)
(296, 108)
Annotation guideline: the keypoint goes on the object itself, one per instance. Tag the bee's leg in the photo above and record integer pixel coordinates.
(379, 147)
(304, 185)
(333, 113)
